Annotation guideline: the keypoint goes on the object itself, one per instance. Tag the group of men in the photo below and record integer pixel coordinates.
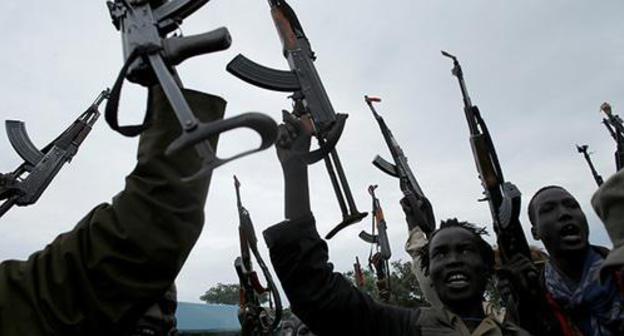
(577, 292)
(112, 274)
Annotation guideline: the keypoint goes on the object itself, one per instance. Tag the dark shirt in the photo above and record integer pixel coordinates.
(120, 258)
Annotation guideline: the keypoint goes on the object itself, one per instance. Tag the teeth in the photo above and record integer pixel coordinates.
(457, 277)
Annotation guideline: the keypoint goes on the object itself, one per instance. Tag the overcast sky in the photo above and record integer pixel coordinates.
(538, 70)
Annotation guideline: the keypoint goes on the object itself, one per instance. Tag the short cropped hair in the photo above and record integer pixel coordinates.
(531, 205)
(486, 251)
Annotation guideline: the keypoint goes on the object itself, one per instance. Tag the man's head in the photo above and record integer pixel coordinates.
(558, 221)
(159, 319)
(459, 262)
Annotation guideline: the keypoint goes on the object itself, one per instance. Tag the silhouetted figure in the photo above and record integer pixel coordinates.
(101, 277)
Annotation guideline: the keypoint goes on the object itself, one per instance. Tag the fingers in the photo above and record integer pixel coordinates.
(405, 205)
(284, 139)
(291, 120)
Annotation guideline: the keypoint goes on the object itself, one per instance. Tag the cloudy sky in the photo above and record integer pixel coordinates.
(538, 70)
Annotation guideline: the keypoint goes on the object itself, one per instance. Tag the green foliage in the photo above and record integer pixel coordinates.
(227, 294)
(222, 294)
(405, 290)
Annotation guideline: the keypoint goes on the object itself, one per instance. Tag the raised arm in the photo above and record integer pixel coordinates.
(119, 259)
(324, 300)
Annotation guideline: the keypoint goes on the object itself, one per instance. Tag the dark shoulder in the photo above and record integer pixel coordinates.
(511, 329)
(601, 250)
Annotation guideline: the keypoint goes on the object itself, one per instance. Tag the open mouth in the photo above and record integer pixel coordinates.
(457, 280)
(570, 233)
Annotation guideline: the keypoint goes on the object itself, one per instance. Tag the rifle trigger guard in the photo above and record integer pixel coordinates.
(385, 166)
(329, 140)
(258, 122)
(19, 139)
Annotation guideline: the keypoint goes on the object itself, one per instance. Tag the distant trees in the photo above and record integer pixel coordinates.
(226, 294)
(405, 291)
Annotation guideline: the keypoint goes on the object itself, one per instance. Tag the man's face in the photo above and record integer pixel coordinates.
(456, 266)
(559, 222)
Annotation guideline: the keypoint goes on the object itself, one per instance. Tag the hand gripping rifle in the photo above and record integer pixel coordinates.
(613, 123)
(255, 319)
(308, 93)
(150, 59)
(503, 197)
(583, 150)
(25, 185)
(401, 170)
(380, 259)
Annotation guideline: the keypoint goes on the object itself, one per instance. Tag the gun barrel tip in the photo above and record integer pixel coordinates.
(444, 53)
(372, 99)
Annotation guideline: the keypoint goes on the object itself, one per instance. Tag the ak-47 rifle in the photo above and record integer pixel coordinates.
(380, 259)
(255, 319)
(615, 126)
(309, 97)
(401, 170)
(503, 197)
(25, 185)
(150, 59)
(583, 150)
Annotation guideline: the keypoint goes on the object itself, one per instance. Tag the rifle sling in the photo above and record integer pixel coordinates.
(112, 107)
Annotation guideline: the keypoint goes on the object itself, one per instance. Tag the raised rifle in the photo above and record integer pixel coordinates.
(401, 170)
(309, 97)
(615, 126)
(583, 150)
(503, 197)
(150, 59)
(25, 185)
(254, 318)
(379, 260)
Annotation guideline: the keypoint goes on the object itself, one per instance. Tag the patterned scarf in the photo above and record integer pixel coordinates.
(596, 308)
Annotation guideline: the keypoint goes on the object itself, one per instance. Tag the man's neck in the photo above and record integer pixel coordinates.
(471, 313)
(571, 264)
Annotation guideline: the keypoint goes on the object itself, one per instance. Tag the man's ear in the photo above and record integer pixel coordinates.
(535, 234)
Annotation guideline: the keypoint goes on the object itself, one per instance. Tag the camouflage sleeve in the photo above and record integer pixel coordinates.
(324, 300)
(99, 277)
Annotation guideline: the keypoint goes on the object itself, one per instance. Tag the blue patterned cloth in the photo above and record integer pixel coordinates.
(595, 308)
